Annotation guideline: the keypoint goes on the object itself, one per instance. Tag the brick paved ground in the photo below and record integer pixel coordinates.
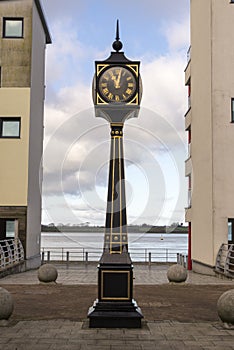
(70, 335)
(80, 273)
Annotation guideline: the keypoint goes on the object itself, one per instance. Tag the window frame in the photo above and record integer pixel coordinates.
(232, 110)
(5, 19)
(4, 234)
(7, 119)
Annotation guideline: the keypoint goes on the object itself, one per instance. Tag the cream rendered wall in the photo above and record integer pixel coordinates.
(223, 130)
(212, 87)
(22, 94)
(15, 57)
(201, 132)
(14, 178)
(36, 138)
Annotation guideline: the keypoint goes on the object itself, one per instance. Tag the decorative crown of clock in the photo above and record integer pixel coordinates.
(117, 79)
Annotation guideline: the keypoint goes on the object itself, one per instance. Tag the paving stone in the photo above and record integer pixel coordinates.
(203, 342)
(149, 346)
(128, 347)
(17, 346)
(66, 347)
(218, 348)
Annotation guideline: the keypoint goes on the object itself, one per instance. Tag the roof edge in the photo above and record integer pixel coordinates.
(43, 21)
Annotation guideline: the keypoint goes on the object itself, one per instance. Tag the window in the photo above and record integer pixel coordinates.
(189, 191)
(231, 231)
(13, 27)
(232, 110)
(189, 141)
(189, 96)
(10, 127)
(8, 228)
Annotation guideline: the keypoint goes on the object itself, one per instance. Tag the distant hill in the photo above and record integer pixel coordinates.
(131, 228)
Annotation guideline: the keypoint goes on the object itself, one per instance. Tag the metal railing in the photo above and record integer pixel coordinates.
(182, 259)
(86, 255)
(11, 253)
(189, 102)
(225, 260)
(189, 149)
(189, 198)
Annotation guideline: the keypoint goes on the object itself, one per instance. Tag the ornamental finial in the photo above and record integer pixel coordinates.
(117, 45)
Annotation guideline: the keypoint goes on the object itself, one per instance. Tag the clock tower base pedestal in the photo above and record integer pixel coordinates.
(115, 307)
(117, 315)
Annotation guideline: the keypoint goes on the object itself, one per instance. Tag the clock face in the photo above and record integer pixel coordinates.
(117, 84)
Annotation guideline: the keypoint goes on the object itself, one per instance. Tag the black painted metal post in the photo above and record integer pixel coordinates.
(116, 240)
(115, 306)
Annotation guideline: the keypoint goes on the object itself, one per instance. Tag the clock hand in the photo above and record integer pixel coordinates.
(114, 79)
(117, 86)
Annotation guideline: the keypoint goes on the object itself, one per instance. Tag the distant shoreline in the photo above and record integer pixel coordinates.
(131, 229)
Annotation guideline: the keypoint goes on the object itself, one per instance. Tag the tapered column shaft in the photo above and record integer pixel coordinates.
(116, 240)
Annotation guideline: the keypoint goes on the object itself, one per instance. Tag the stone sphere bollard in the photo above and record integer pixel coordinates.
(6, 306)
(177, 273)
(47, 273)
(225, 306)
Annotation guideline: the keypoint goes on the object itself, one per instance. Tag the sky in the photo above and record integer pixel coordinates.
(77, 144)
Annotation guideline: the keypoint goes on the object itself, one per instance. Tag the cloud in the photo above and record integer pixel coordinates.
(152, 9)
(164, 91)
(77, 144)
(177, 34)
(76, 164)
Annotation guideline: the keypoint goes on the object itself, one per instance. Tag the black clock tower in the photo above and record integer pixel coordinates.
(117, 94)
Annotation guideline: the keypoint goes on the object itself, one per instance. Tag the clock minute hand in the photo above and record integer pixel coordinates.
(117, 86)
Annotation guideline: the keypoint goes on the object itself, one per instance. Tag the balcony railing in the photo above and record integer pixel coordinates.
(11, 253)
(189, 198)
(189, 150)
(189, 102)
(225, 260)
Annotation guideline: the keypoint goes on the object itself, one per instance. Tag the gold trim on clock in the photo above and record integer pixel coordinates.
(135, 100)
(100, 101)
(134, 68)
(100, 68)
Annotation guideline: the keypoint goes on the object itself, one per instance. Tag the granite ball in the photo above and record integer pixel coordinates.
(225, 307)
(6, 304)
(47, 273)
(177, 273)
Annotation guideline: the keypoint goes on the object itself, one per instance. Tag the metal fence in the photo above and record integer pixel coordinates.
(11, 253)
(86, 255)
(225, 260)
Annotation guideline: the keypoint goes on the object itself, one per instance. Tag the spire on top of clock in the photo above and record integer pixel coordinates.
(117, 44)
